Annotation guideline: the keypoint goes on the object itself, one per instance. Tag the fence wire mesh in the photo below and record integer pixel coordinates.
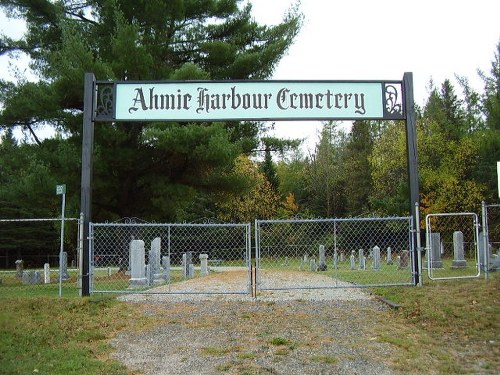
(344, 252)
(452, 249)
(489, 238)
(29, 257)
(167, 258)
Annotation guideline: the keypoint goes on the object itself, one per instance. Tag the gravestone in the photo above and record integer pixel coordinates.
(389, 256)
(154, 261)
(137, 264)
(458, 250)
(353, 261)
(362, 259)
(46, 273)
(322, 261)
(483, 255)
(149, 274)
(31, 277)
(335, 259)
(312, 265)
(404, 260)
(204, 264)
(187, 265)
(19, 268)
(341, 257)
(435, 253)
(64, 266)
(376, 257)
(166, 268)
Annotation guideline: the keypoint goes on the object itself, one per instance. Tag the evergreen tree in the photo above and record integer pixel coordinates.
(151, 170)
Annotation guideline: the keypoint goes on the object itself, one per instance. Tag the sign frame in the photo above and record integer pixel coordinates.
(100, 106)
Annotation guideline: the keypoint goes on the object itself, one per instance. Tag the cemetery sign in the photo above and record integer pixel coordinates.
(250, 100)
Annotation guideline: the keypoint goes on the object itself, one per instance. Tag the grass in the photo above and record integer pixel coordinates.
(445, 327)
(453, 324)
(59, 336)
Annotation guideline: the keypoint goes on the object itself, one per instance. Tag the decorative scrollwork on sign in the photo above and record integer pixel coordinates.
(105, 107)
(393, 100)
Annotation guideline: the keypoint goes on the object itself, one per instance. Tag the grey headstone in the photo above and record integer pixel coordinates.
(404, 259)
(361, 259)
(389, 256)
(376, 257)
(458, 251)
(312, 265)
(166, 268)
(353, 261)
(435, 251)
(322, 259)
(64, 266)
(19, 268)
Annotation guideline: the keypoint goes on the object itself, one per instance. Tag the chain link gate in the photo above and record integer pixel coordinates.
(170, 258)
(489, 238)
(452, 248)
(335, 253)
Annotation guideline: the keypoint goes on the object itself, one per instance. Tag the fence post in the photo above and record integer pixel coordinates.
(419, 245)
(486, 240)
(80, 254)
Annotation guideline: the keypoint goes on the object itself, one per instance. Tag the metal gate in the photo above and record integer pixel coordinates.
(334, 253)
(452, 246)
(489, 238)
(170, 258)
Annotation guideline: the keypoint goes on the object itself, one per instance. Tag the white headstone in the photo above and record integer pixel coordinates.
(166, 268)
(137, 264)
(19, 268)
(353, 261)
(46, 273)
(362, 259)
(204, 264)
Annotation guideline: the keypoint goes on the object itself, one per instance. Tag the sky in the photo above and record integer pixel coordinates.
(375, 40)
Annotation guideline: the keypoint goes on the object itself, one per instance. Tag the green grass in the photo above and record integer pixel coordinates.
(59, 335)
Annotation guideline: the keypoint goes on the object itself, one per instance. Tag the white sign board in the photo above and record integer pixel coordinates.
(249, 100)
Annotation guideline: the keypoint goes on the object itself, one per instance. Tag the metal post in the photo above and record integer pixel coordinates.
(419, 246)
(61, 251)
(86, 180)
(411, 147)
(486, 240)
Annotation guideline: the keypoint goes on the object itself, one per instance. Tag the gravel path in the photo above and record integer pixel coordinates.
(315, 331)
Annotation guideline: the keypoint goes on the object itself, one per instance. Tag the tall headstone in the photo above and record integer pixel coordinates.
(137, 264)
(376, 257)
(166, 268)
(154, 261)
(335, 259)
(435, 253)
(484, 252)
(322, 259)
(389, 256)
(155, 255)
(458, 250)
(46, 273)
(362, 259)
(353, 261)
(64, 266)
(19, 268)
(204, 264)
(187, 265)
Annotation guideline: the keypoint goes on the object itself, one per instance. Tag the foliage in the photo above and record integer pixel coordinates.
(152, 170)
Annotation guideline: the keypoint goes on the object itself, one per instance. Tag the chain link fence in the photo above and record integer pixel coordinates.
(452, 250)
(352, 252)
(29, 257)
(167, 258)
(489, 238)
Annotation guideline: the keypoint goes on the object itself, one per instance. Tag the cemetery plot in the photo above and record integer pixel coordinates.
(347, 252)
(454, 246)
(29, 257)
(152, 258)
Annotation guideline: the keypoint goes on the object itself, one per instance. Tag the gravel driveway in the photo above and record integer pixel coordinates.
(315, 331)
